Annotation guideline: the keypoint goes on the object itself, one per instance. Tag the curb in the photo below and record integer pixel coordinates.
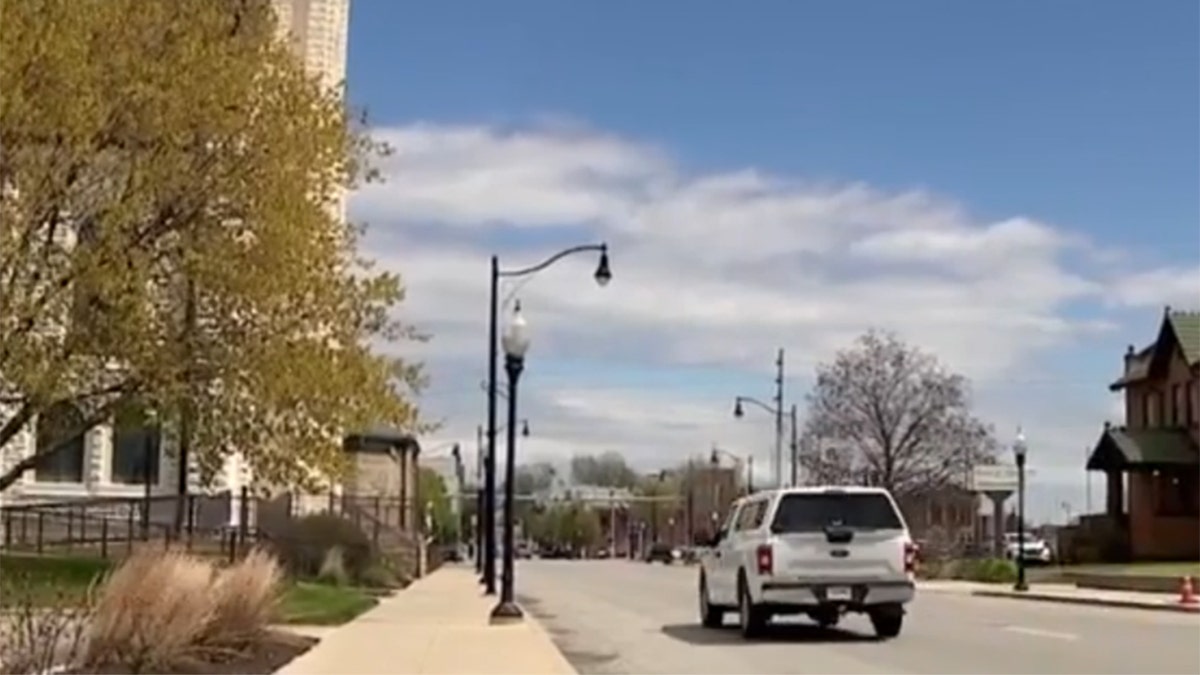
(565, 667)
(1095, 602)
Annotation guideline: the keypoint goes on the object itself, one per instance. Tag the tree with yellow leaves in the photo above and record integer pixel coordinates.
(170, 237)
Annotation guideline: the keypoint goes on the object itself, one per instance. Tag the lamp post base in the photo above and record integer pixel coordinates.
(1021, 586)
(506, 612)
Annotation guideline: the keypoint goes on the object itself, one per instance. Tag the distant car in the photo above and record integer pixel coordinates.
(557, 553)
(662, 553)
(1032, 550)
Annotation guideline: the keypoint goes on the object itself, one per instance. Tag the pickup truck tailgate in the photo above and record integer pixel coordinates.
(839, 535)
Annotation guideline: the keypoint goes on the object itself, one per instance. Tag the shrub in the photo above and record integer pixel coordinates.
(305, 542)
(333, 568)
(245, 598)
(152, 612)
(988, 570)
(39, 633)
(379, 575)
(984, 570)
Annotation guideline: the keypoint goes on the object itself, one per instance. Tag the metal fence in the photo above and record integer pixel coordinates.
(112, 527)
(225, 524)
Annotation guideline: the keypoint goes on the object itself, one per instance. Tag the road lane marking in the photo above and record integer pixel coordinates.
(1041, 633)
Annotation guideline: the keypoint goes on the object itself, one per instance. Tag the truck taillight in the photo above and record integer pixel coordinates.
(911, 551)
(765, 557)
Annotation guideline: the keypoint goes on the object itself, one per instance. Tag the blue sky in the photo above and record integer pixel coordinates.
(1080, 116)
(1083, 111)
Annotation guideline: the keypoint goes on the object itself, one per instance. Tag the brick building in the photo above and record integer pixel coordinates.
(1152, 463)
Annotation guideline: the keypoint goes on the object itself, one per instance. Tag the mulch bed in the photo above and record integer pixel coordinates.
(272, 655)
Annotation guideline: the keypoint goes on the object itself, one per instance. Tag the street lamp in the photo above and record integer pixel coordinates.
(516, 343)
(602, 276)
(482, 521)
(715, 460)
(1019, 452)
(776, 411)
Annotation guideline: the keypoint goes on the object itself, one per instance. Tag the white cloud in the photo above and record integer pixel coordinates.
(710, 270)
(1177, 286)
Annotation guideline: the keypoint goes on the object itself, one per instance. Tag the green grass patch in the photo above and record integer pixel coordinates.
(48, 579)
(323, 604)
(1149, 569)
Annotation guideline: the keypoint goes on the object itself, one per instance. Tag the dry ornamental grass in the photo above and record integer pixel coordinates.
(158, 612)
(245, 600)
(152, 612)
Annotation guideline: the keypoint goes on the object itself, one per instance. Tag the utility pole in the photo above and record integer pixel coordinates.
(689, 516)
(779, 419)
(612, 522)
(794, 447)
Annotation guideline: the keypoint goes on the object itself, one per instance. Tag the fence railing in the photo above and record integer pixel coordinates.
(225, 524)
(114, 526)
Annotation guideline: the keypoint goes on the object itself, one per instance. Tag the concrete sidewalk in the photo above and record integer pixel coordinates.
(1063, 593)
(438, 625)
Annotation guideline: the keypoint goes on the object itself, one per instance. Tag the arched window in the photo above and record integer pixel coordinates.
(60, 428)
(136, 446)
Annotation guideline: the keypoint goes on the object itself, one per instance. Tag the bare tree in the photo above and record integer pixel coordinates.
(608, 469)
(885, 413)
(534, 478)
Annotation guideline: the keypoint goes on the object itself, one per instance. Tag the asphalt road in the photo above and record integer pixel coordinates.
(629, 617)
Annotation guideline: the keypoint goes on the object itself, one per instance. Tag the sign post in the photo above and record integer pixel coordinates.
(997, 482)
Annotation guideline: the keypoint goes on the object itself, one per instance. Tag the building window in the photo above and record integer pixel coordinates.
(1177, 494)
(1153, 409)
(1178, 405)
(137, 446)
(60, 429)
(1192, 398)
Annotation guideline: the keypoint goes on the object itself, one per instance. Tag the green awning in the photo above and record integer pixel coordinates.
(1120, 448)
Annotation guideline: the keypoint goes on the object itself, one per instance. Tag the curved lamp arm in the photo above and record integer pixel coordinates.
(750, 399)
(736, 458)
(602, 248)
(499, 392)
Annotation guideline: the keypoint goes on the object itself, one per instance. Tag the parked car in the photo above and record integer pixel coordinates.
(558, 552)
(1032, 550)
(660, 553)
(820, 551)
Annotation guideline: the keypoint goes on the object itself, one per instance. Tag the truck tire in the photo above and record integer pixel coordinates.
(711, 616)
(751, 618)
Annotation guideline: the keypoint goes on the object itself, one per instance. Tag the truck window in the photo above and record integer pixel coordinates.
(799, 513)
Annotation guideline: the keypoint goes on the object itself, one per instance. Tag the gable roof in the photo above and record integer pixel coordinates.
(1186, 326)
(1177, 328)
(1121, 448)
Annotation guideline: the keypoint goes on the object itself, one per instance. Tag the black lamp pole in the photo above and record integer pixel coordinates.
(489, 469)
(602, 276)
(1019, 450)
(479, 501)
(508, 609)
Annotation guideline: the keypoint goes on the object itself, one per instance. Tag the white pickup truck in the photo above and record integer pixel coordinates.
(820, 551)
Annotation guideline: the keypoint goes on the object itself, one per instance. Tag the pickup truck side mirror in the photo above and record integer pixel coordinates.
(716, 538)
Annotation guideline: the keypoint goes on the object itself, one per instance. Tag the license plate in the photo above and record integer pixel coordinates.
(837, 593)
